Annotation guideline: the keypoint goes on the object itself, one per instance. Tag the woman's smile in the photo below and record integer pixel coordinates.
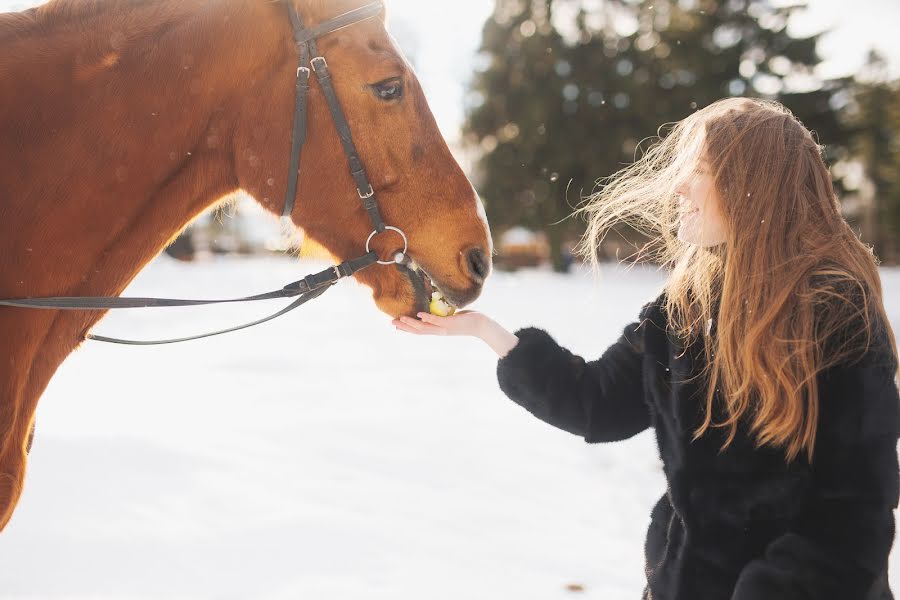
(700, 218)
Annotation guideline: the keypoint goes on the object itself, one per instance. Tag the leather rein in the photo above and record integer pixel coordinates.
(315, 284)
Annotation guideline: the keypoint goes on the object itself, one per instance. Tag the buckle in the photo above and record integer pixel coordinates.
(313, 62)
(368, 194)
(305, 69)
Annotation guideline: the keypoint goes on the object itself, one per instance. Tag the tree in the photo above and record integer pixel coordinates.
(565, 100)
(873, 118)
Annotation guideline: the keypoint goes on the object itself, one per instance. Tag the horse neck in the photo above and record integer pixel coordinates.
(121, 136)
(112, 137)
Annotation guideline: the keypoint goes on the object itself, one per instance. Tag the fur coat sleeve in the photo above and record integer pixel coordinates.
(601, 400)
(840, 545)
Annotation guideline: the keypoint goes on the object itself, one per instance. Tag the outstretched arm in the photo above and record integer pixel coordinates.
(601, 400)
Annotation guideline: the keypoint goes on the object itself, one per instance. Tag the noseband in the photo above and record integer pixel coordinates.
(312, 285)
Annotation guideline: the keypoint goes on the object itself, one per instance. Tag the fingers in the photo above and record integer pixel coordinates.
(416, 326)
(430, 318)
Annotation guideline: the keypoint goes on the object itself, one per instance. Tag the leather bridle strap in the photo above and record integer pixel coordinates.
(298, 134)
(309, 287)
(305, 39)
(298, 302)
(308, 284)
(308, 34)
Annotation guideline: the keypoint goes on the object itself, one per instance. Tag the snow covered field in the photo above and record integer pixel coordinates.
(327, 456)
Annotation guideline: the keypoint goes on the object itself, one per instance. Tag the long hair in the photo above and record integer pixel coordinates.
(793, 290)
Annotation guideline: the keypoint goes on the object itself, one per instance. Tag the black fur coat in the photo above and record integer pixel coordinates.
(741, 524)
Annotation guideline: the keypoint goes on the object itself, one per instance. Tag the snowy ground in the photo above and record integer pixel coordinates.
(327, 456)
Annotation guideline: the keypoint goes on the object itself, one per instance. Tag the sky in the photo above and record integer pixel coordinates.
(444, 37)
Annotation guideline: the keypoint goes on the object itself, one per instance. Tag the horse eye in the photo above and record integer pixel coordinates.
(389, 89)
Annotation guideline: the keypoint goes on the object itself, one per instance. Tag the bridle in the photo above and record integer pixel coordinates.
(305, 39)
(313, 285)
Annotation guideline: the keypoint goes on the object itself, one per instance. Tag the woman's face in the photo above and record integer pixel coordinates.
(700, 216)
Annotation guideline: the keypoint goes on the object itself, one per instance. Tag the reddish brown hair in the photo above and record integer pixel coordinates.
(793, 289)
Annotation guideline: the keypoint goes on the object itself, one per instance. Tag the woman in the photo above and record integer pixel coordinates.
(767, 366)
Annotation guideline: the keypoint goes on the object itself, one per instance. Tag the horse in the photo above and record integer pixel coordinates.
(122, 121)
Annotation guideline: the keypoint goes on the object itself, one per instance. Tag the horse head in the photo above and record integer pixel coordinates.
(420, 188)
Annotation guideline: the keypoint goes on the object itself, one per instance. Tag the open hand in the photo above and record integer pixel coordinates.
(464, 322)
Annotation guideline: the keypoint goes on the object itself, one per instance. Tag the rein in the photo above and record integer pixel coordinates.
(313, 285)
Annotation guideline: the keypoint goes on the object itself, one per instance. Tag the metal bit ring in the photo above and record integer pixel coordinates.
(402, 252)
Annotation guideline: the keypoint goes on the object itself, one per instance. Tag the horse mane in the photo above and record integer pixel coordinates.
(94, 19)
(16, 24)
(150, 16)
(70, 11)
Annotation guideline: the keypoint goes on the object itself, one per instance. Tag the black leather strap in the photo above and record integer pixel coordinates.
(298, 134)
(303, 35)
(309, 287)
(307, 284)
(305, 39)
(108, 302)
(332, 274)
(298, 302)
(363, 187)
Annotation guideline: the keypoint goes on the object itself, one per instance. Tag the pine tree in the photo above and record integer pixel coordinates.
(874, 121)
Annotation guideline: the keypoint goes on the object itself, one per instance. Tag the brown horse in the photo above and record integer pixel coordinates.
(122, 121)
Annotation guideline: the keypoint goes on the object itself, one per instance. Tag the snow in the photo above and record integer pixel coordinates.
(326, 455)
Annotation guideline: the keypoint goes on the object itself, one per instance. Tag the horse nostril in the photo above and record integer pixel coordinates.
(478, 264)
